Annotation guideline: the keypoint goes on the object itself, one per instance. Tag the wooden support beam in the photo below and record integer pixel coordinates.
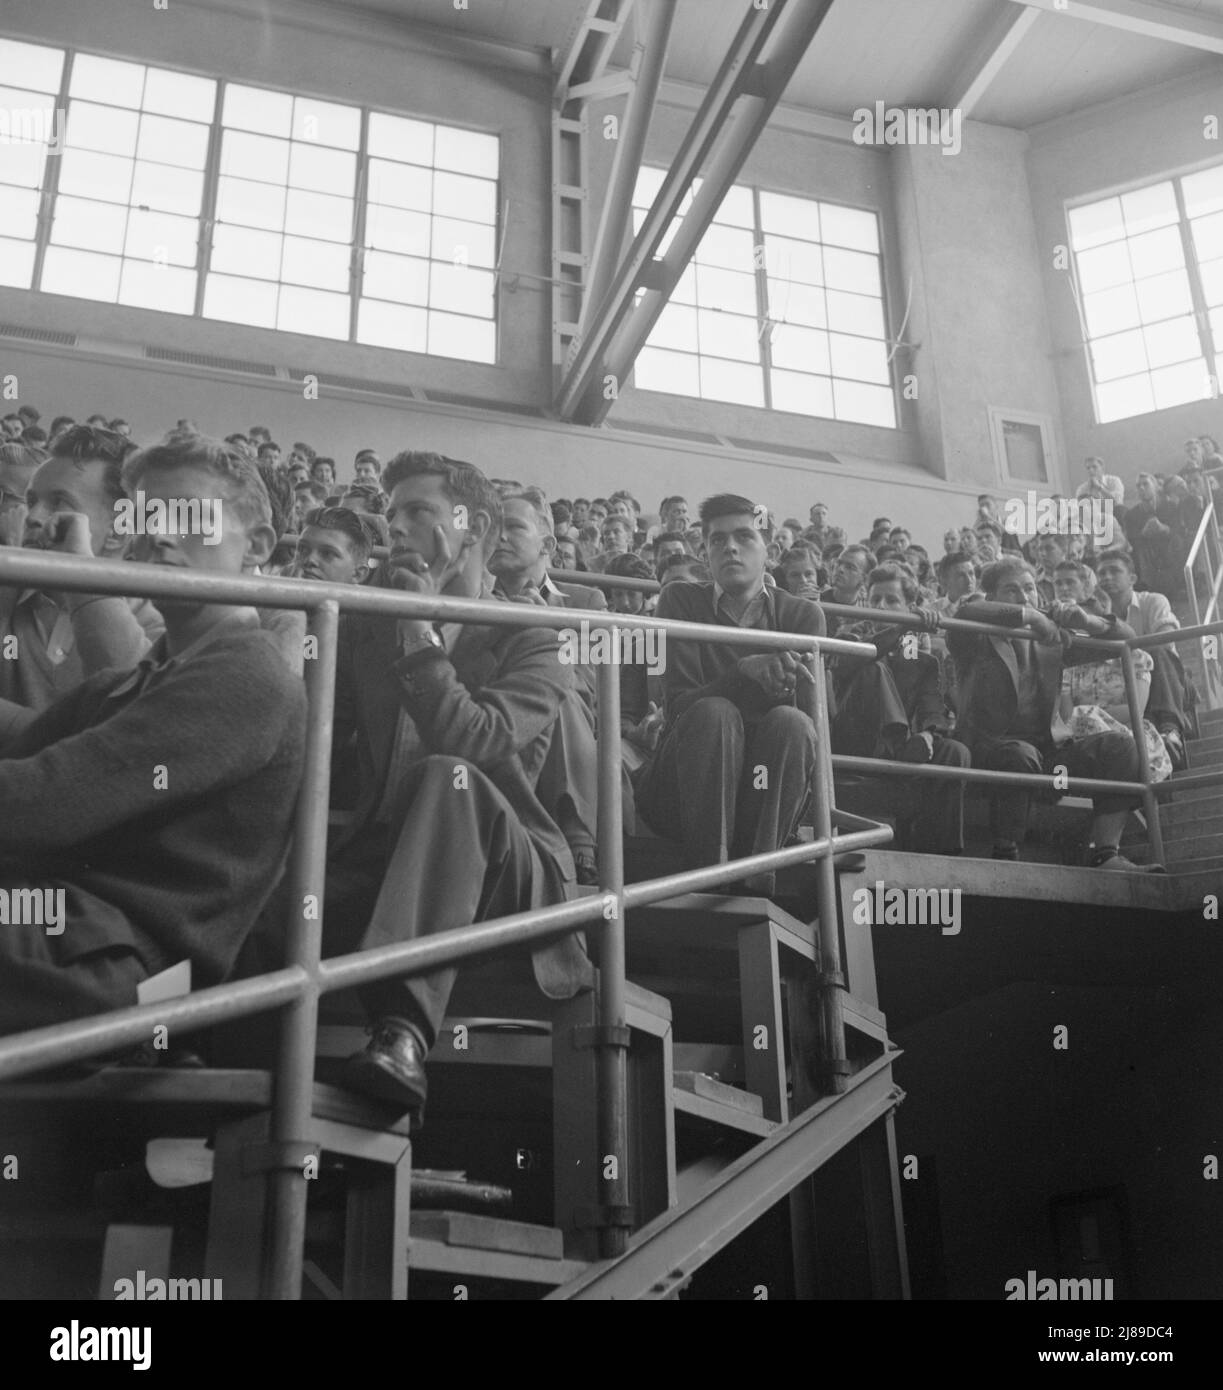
(1152, 21)
(1005, 33)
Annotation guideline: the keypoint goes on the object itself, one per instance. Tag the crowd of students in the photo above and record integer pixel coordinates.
(150, 753)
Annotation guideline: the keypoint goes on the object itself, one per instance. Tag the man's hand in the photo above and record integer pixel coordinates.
(413, 574)
(930, 619)
(1068, 615)
(530, 594)
(69, 534)
(1046, 630)
(647, 729)
(776, 673)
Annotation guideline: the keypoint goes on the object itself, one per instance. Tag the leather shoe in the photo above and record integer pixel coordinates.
(391, 1068)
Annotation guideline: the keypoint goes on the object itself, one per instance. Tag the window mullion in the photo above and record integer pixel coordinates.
(356, 277)
(1201, 312)
(50, 180)
(208, 210)
(764, 325)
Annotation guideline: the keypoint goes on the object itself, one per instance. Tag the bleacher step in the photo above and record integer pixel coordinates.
(1205, 752)
(453, 1242)
(1207, 808)
(702, 1097)
(1212, 865)
(1195, 847)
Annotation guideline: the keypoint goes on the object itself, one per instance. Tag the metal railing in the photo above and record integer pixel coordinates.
(297, 988)
(1206, 550)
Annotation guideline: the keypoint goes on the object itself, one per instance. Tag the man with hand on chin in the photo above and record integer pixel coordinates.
(452, 723)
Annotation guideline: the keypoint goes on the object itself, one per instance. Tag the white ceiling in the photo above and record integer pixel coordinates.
(903, 52)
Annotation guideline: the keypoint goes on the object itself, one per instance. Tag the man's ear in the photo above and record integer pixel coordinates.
(480, 525)
(549, 545)
(260, 542)
(360, 574)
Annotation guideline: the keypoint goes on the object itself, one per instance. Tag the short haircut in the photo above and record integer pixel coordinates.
(34, 434)
(724, 504)
(61, 422)
(1117, 552)
(237, 438)
(685, 561)
(951, 561)
(997, 570)
(351, 525)
(303, 449)
(807, 554)
(314, 490)
(629, 567)
(372, 494)
(23, 458)
(899, 574)
(665, 537)
(988, 526)
(538, 503)
(1076, 567)
(86, 444)
(462, 483)
(241, 485)
(267, 446)
(622, 522)
(320, 459)
(27, 412)
(280, 495)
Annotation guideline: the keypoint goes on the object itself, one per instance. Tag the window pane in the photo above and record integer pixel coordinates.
(16, 263)
(790, 302)
(167, 141)
(1148, 208)
(867, 405)
(790, 217)
(858, 358)
(801, 349)
(240, 301)
(1212, 281)
(1180, 384)
(104, 128)
(41, 68)
(674, 372)
(325, 123)
(1208, 236)
(676, 328)
(394, 137)
(18, 212)
(321, 169)
(855, 313)
(312, 311)
(849, 227)
(794, 260)
(649, 181)
(731, 381)
(1104, 267)
(29, 114)
(730, 247)
(156, 236)
(736, 208)
(475, 340)
(466, 152)
(1203, 191)
(249, 108)
(22, 165)
(322, 264)
(1118, 400)
(803, 395)
(389, 229)
(460, 242)
(1164, 296)
(92, 226)
(461, 290)
(1121, 355)
(179, 94)
(161, 287)
(473, 200)
(250, 204)
(685, 289)
(392, 325)
(82, 274)
(851, 270)
(1173, 341)
(104, 79)
(165, 189)
(726, 289)
(1096, 224)
(254, 157)
(728, 335)
(400, 278)
(320, 215)
(241, 251)
(1156, 252)
(1110, 311)
(400, 185)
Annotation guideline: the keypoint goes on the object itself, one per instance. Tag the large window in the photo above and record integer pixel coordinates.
(189, 195)
(1150, 273)
(781, 307)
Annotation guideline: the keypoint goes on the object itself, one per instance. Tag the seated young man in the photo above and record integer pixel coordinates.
(334, 548)
(731, 710)
(893, 708)
(1008, 692)
(71, 508)
(453, 723)
(156, 802)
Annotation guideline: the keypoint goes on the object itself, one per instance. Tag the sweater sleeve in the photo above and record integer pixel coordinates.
(114, 632)
(211, 721)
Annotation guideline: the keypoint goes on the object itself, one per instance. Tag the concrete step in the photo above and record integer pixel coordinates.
(1210, 719)
(1203, 755)
(1208, 808)
(1213, 865)
(1195, 792)
(1195, 847)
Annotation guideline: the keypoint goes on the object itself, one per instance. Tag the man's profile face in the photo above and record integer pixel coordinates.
(736, 551)
(522, 543)
(566, 555)
(960, 581)
(59, 485)
(326, 556)
(418, 504)
(1114, 577)
(1018, 587)
(848, 573)
(888, 594)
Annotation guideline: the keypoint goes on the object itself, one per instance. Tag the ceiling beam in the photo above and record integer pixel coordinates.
(1141, 17)
(593, 43)
(736, 109)
(1006, 31)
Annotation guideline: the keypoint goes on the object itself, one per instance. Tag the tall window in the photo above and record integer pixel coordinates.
(125, 225)
(33, 75)
(781, 307)
(1150, 274)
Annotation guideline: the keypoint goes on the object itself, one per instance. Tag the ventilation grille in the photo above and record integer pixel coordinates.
(669, 432)
(794, 451)
(219, 364)
(37, 335)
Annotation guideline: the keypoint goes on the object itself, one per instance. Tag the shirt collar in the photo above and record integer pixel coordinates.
(765, 591)
(157, 659)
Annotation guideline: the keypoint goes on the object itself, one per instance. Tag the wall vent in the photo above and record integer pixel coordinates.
(37, 335)
(217, 364)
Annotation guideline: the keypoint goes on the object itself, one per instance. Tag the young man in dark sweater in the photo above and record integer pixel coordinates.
(154, 805)
(731, 710)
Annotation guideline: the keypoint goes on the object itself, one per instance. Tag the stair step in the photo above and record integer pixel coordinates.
(1193, 847)
(1213, 865)
(706, 1099)
(452, 1242)
(1206, 808)
(1205, 752)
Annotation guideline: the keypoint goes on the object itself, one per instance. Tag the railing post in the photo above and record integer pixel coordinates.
(292, 1099)
(832, 981)
(1150, 804)
(613, 1021)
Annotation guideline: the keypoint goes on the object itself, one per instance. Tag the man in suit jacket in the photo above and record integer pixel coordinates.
(893, 708)
(731, 710)
(1008, 693)
(453, 724)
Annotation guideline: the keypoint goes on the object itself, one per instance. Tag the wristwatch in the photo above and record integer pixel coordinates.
(428, 640)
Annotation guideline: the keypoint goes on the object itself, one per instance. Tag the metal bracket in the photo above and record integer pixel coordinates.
(620, 1217)
(600, 1035)
(832, 979)
(290, 1156)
